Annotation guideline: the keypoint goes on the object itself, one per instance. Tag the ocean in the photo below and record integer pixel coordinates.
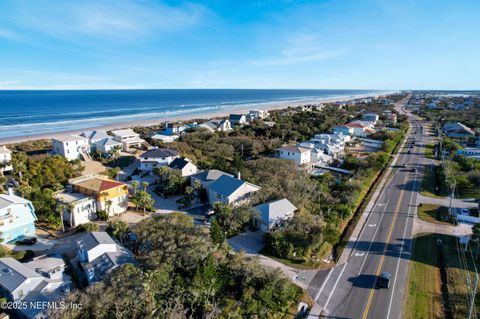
(27, 113)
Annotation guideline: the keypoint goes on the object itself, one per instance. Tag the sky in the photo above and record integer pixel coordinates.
(335, 44)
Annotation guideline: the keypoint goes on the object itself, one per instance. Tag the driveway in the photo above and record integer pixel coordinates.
(250, 242)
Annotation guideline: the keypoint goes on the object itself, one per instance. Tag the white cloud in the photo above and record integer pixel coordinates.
(8, 34)
(106, 19)
(296, 58)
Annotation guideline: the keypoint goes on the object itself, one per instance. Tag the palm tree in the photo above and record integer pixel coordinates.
(108, 205)
(145, 185)
(59, 209)
(118, 229)
(135, 186)
(161, 172)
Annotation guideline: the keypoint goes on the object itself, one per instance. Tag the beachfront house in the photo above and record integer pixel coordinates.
(231, 191)
(17, 217)
(457, 130)
(206, 178)
(128, 138)
(372, 117)
(238, 119)
(157, 157)
(164, 138)
(94, 137)
(217, 125)
(299, 155)
(107, 146)
(98, 254)
(258, 114)
(5, 160)
(174, 129)
(72, 147)
(110, 196)
(184, 166)
(271, 215)
(77, 208)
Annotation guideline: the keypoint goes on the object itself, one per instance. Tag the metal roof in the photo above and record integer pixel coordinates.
(13, 273)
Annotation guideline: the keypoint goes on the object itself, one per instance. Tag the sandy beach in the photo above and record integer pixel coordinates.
(179, 118)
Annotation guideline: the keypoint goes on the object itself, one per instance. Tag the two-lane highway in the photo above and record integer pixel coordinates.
(383, 245)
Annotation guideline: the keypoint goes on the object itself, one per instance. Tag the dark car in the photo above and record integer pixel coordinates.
(27, 241)
(384, 280)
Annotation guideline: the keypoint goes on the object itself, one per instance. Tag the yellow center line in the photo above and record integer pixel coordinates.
(382, 259)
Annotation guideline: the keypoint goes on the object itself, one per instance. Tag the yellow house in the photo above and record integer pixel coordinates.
(111, 196)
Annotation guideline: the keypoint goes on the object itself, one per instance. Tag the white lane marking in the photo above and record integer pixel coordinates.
(401, 247)
(372, 225)
(359, 254)
(371, 241)
(335, 286)
(323, 284)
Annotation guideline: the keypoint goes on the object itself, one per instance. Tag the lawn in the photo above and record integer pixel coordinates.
(433, 213)
(430, 151)
(428, 184)
(427, 279)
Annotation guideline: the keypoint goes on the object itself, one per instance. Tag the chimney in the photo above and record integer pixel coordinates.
(10, 191)
(239, 176)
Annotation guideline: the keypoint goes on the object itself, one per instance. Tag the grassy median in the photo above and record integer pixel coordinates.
(433, 213)
(436, 286)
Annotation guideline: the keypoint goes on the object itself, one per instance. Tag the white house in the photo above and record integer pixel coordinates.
(128, 138)
(107, 145)
(298, 154)
(258, 114)
(230, 190)
(224, 126)
(184, 165)
(165, 138)
(174, 129)
(78, 208)
(238, 119)
(94, 137)
(71, 147)
(271, 215)
(98, 254)
(360, 130)
(5, 160)
(157, 157)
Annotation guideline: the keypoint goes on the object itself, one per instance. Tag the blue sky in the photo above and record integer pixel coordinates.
(389, 44)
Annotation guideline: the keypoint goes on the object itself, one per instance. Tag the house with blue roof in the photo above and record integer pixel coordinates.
(17, 217)
(230, 190)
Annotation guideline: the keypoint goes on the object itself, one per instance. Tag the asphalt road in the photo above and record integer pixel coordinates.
(383, 245)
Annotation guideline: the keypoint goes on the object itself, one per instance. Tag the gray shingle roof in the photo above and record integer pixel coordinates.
(276, 209)
(160, 152)
(13, 273)
(95, 135)
(93, 239)
(210, 175)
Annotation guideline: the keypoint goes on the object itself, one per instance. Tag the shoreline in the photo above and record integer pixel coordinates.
(203, 116)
